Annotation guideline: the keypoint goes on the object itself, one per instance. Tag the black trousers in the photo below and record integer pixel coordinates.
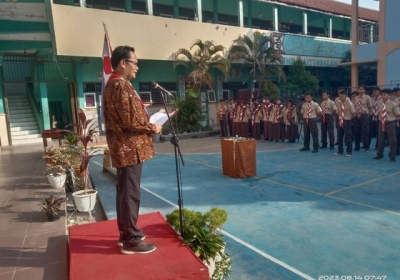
(128, 202)
(327, 129)
(311, 128)
(361, 129)
(398, 139)
(345, 132)
(223, 125)
(390, 131)
(373, 129)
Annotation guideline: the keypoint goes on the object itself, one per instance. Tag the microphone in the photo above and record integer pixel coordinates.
(155, 85)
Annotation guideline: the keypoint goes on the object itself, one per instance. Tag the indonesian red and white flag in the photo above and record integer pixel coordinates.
(107, 68)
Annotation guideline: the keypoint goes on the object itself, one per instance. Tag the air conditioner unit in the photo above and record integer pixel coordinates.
(138, 12)
(166, 15)
(117, 9)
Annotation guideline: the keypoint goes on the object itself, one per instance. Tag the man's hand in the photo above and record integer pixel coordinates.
(158, 128)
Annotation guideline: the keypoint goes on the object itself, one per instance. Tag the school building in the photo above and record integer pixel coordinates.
(50, 51)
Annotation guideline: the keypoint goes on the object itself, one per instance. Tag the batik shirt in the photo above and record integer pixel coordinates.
(128, 130)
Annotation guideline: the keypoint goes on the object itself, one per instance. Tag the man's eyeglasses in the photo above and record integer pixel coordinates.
(132, 61)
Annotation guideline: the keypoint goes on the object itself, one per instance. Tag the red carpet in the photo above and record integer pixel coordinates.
(93, 253)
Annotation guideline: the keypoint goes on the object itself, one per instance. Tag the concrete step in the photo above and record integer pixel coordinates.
(26, 136)
(25, 124)
(17, 108)
(19, 103)
(23, 128)
(24, 132)
(19, 119)
(27, 141)
(14, 97)
(22, 114)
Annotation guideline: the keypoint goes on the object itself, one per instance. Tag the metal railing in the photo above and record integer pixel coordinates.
(368, 33)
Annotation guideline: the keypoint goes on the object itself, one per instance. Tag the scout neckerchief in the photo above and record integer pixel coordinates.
(278, 112)
(375, 108)
(308, 112)
(253, 118)
(383, 118)
(242, 110)
(324, 111)
(290, 111)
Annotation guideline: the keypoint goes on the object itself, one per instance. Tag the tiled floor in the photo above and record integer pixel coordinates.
(30, 246)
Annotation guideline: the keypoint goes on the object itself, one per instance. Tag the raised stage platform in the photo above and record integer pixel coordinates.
(93, 253)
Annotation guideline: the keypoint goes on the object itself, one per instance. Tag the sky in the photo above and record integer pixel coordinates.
(371, 4)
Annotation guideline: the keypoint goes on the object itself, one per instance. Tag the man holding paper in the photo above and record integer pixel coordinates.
(129, 138)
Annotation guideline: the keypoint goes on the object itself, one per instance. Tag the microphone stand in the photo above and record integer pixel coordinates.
(175, 141)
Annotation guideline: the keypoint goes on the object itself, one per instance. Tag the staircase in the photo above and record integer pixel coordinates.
(23, 126)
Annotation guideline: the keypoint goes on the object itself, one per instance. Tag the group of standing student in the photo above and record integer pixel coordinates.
(267, 118)
(357, 119)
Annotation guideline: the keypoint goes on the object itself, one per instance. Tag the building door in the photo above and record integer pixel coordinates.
(74, 102)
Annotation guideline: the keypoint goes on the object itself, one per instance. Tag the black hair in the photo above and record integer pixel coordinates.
(377, 88)
(342, 92)
(363, 86)
(308, 93)
(386, 90)
(354, 92)
(120, 53)
(396, 89)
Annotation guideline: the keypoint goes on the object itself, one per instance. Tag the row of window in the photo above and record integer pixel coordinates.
(162, 10)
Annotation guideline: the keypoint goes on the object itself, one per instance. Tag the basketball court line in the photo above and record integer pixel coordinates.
(247, 245)
(364, 183)
(318, 193)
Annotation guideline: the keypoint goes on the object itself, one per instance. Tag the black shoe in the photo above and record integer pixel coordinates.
(377, 158)
(332, 147)
(121, 244)
(356, 149)
(304, 149)
(323, 147)
(392, 160)
(315, 151)
(141, 248)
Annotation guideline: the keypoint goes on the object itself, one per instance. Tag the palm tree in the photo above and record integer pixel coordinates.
(200, 58)
(258, 53)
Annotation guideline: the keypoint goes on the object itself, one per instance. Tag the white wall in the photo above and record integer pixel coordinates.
(79, 32)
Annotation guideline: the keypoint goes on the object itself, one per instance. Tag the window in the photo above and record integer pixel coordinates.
(226, 94)
(163, 10)
(185, 13)
(211, 96)
(90, 100)
(208, 16)
(148, 94)
(139, 7)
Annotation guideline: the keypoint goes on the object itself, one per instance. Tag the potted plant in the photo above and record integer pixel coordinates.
(56, 162)
(87, 132)
(51, 205)
(200, 235)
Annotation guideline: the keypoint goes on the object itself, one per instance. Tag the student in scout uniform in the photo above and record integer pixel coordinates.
(310, 110)
(373, 127)
(236, 119)
(291, 122)
(397, 101)
(222, 114)
(255, 121)
(388, 113)
(261, 102)
(267, 107)
(231, 112)
(278, 121)
(345, 111)
(363, 106)
(244, 119)
(327, 124)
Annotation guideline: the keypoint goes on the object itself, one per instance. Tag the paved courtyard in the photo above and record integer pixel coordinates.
(304, 215)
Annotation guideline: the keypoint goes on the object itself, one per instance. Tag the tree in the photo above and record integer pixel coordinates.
(199, 59)
(299, 79)
(258, 53)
